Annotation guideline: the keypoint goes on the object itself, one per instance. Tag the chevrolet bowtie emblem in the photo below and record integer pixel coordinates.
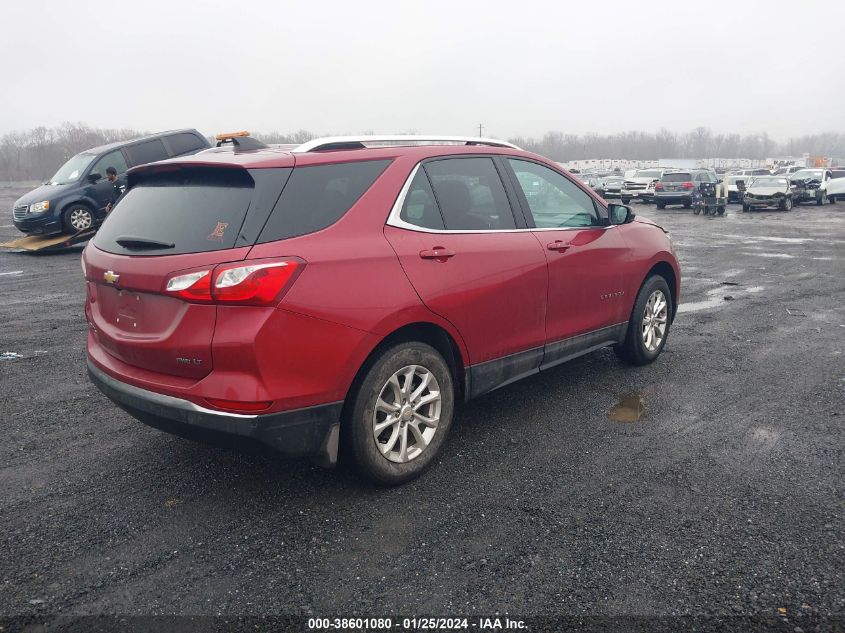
(110, 277)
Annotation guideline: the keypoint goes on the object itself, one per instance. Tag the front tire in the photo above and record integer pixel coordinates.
(822, 199)
(786, 204)
(648, 327)
(400, 413)
(77, 217)
(626, 200)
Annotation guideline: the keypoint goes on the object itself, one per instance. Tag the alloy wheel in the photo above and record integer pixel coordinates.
(80, 219)
(655, 318)
(407, 413)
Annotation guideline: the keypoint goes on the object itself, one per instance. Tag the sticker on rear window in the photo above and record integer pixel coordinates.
(218, 232)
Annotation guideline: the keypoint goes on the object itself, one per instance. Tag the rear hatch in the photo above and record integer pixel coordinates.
(674, 181)
(175, 218)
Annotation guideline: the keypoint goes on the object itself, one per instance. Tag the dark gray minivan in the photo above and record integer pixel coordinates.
(76, 197)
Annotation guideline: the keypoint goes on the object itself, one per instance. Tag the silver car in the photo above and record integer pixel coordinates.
(768, 191)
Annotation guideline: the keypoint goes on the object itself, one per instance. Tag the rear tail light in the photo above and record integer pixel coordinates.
(658, 187)
(194, 286)
(256, 282)
(687, 185)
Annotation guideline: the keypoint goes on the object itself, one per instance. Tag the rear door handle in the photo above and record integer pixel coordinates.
(438, 252)
(558, 246)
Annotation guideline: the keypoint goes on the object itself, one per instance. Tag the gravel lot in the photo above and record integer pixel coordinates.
(725, 498)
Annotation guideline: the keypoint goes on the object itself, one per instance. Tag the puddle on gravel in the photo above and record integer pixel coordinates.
(630, 408)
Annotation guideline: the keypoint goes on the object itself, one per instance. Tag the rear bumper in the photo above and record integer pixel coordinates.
(308, 432)
(673, 197)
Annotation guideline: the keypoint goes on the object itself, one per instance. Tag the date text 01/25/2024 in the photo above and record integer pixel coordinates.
(414, 624)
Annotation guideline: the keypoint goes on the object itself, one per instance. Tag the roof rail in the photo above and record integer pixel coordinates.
(362, 142)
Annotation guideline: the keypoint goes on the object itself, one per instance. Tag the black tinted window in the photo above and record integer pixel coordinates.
(147, 152)
(677, 177)
(112, 159)
(195, 209)
(554, 200)
(420, 206)
(318, 196)
(470, 194)
(185, 143)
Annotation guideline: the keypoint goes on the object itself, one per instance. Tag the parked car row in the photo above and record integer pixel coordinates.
(814, 186)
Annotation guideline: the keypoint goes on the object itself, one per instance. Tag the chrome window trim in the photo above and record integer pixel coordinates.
(395, 221)
(400, 140)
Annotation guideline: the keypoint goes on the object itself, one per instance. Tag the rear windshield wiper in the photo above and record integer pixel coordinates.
(141, 242)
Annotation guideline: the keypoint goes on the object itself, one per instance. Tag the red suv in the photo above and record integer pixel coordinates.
(352, 289)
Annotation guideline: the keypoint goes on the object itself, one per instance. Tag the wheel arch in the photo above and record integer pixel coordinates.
(665, 270)
(424, 332)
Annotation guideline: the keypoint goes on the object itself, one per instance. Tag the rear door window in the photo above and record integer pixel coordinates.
(317, 196)
(184, 143)
(194, 209)
(470, 194)
(554, 200)
(147, 152)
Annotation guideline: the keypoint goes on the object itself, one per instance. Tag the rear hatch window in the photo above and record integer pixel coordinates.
(677, 177)
(181, 210)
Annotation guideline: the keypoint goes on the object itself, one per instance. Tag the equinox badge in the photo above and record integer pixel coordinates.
(110, 277)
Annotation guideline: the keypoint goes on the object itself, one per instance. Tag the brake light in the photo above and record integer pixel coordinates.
(256, 282)
(236, 405)
(687, 185)
(658, 187)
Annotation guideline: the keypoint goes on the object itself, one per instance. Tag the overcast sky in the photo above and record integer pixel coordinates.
(520, 68)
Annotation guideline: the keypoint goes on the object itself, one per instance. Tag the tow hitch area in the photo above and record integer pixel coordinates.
(51, 244)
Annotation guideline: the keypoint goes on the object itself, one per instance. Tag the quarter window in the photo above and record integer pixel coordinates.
(184, 143)
(420, 206)
(553, 199)
(470, 194)
(147, 152)
(317, 196)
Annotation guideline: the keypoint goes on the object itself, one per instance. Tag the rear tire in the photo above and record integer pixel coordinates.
(77, 217)
(626, 200)
(661, 205)
(390, 443)
(831, 199)
(638, 349)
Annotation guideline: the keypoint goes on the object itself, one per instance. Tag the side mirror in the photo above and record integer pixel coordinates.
(95, 177)
(620, 214)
